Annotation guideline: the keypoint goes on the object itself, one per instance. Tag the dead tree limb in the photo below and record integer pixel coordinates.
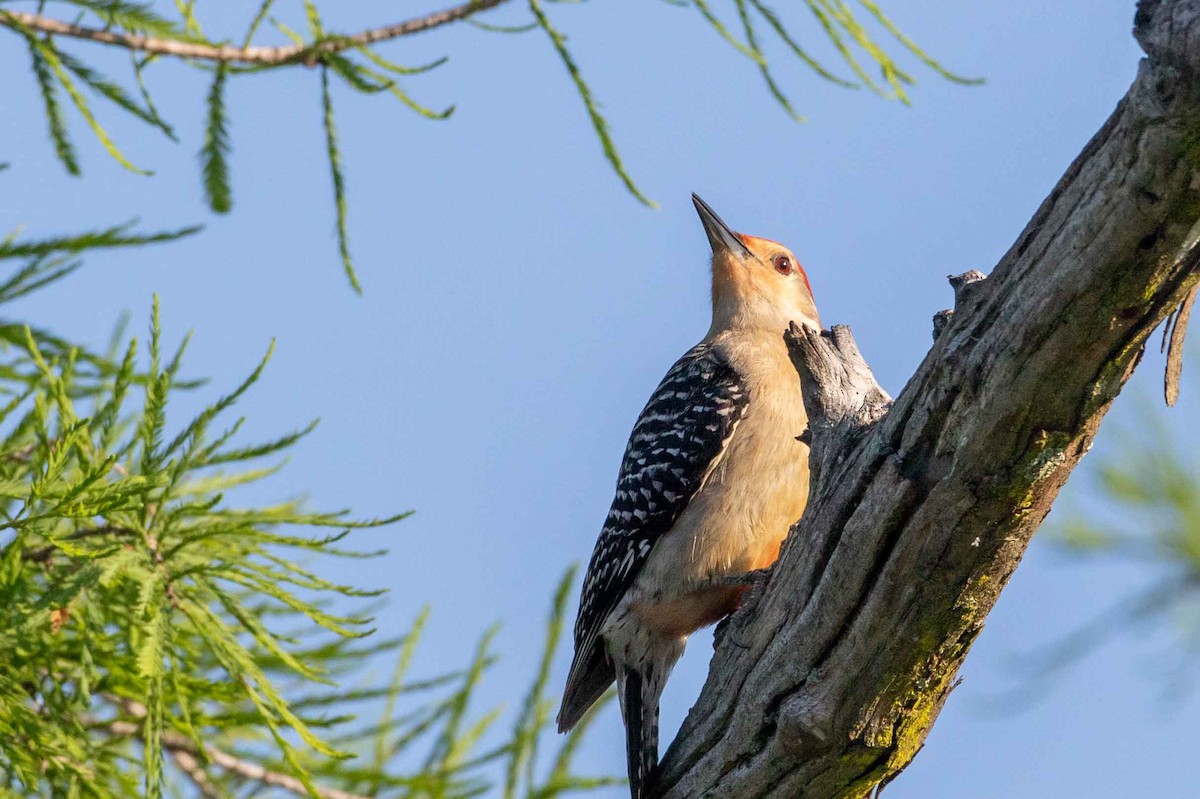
(828, 682)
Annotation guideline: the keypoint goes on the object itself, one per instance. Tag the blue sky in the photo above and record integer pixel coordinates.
(520, 306)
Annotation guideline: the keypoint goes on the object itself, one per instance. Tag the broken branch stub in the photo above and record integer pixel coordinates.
(1174, 332)
(961, 284)
(840, 393)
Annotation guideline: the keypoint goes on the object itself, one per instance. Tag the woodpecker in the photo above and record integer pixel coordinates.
(712, 479)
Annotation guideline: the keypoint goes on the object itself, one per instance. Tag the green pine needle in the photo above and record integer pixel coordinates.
(101, 239)
(400, 69)
(599, 124)
(534, 716)
(214, 152)
(152, 728)
(263, 10)
(54, 118)
(187, 10)
(725, 33)
(913, 48)
(384, 82)
(139, 66)
(895, 77)
(280, 26)
(37, 273)
(114, 93)
(260, 450)
(339, 181)
(831, 31)
(315, 28)
(133, 17)
(354, 75)
(752, 42)
(782, 32)
(51, 57)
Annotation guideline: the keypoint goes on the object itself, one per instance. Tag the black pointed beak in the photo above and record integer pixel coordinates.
(720, 236)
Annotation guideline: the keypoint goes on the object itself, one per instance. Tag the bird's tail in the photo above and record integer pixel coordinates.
(639, 694)
(591, 674)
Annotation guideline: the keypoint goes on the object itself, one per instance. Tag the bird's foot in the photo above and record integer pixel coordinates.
(753, 582)
(748, 579)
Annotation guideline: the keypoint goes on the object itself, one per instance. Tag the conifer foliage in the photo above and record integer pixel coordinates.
(58, 34)
(158, 634)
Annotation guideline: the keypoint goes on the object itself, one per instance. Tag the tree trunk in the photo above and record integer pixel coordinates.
(828, 680)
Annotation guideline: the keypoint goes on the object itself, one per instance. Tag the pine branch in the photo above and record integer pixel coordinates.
(175, 742)
(163, 632)
(599, 123)
(309, 55)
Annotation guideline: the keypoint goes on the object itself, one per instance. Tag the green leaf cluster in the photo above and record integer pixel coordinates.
(159, 634)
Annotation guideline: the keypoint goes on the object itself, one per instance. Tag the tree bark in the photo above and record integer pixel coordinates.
(829, 679)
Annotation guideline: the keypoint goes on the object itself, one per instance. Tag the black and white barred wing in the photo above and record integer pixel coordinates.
(676, 442)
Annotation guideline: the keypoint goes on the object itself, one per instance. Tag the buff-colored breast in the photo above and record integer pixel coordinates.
(738, 520)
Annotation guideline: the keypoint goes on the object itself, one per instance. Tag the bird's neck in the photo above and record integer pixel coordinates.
(754, 322)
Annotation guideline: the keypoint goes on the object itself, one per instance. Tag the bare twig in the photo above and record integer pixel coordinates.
(178, 744)
(20, 454)
(309, 54)
(253, 771)
(190, 765)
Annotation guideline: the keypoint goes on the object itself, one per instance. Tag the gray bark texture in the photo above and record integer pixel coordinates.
(828, 680)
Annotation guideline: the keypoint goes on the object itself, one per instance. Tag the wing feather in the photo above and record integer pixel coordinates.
(677, 441)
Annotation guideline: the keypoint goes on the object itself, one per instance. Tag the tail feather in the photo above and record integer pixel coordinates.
(591, 673)
(639, 695)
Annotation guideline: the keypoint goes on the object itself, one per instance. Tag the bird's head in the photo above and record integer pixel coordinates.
(757, 283)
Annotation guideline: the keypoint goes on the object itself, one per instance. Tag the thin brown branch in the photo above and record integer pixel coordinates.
(257, 773)
(190, 765)
(21, 454)
(43, 554)
(178, 744)
(308, 54)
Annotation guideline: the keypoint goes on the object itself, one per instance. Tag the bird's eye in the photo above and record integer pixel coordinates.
(783, 264)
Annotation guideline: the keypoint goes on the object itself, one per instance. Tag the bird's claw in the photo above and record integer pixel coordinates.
(748, 579)
(752, 580)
